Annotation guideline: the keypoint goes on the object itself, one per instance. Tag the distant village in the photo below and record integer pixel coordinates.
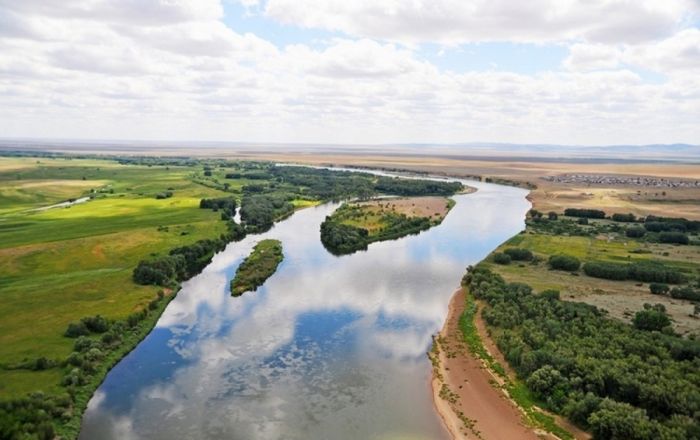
(599, 179)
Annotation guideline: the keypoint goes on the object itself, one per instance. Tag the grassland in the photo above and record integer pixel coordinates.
(260, 265)
(620, 298)
(59, 265)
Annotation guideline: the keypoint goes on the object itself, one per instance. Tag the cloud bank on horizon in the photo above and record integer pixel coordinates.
(361, 71)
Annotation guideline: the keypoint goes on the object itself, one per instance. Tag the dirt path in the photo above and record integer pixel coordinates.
(465, 398)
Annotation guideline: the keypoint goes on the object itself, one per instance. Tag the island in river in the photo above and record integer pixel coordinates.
(260, 265)
(355, 225)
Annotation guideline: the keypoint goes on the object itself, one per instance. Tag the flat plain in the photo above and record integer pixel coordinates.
(61, 264)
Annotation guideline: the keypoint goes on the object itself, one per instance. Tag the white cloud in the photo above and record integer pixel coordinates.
(592, 57)
(459, 21)
(95, 69)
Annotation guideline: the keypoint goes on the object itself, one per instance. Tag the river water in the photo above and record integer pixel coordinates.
(329, 348)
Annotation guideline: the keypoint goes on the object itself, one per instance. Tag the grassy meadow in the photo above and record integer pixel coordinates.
(620, 298)
(61, 264)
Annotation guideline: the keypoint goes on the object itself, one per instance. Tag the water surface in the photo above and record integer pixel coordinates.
(329, 348)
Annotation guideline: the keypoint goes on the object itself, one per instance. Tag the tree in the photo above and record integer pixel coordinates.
(544, 380)
(651, 319)
(619, 421)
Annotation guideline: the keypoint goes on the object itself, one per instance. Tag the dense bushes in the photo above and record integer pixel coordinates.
(416, 187)
(326, 184)
(32, 417)
(182, 263)
(673, 237)
(609, 377)
(635, 232)
(161, 271)
(657, 224)
(343, 239)
(686, 292)
(517, 254)
(501, 258)
(225, 204)
(654, 272)
(260, 211)
(564, 262)
(587, 213)
(627, 218)
(645, 272)
(658, 288)
(336, 185)
(651, 319)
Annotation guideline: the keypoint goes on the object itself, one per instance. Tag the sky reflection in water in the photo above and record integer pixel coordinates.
(329, 348)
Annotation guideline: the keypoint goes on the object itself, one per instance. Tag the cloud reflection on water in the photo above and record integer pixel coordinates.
(329, 347)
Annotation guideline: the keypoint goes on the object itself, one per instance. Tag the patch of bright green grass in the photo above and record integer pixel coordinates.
(59, 265)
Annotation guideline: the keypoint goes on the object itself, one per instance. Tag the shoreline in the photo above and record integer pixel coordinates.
(463, 390)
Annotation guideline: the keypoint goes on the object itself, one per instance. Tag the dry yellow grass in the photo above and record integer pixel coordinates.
(410, 206)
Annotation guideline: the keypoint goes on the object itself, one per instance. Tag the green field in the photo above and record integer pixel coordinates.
(59, 265)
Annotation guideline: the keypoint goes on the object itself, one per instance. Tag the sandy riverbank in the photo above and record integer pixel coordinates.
(468, 403)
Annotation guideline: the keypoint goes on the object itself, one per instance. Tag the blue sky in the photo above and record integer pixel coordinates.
(509, 56)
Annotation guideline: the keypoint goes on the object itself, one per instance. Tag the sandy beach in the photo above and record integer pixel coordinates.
(464, 392)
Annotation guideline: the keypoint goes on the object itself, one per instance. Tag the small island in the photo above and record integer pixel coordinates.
(355, 225)
(257, 267)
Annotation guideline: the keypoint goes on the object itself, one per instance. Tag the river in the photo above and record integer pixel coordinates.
(329, 348)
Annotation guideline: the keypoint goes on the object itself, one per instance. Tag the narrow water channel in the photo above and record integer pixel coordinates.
(329, 348)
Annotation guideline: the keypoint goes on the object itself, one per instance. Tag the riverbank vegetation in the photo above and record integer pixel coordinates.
(601, 264)
(600, 325)
(62, 268)
(260, 265)
(616, 380)
(354, 226)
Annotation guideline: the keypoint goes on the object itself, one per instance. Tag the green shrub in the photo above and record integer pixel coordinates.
(76, 329)
(623, 218)
(651, 320)
(673, 237)
(685, 293)
(501, 258)
(517, 254)
(96, 324)
(587, 213)
(658, 288)
(564, 262)
(635, 232)
(608, 271)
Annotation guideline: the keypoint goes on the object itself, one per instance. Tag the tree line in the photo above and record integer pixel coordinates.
(618, 381)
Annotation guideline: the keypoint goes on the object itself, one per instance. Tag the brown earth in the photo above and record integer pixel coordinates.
(410, 206)
(464, 392)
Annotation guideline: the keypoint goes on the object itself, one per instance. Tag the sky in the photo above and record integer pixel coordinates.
(590, 72)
